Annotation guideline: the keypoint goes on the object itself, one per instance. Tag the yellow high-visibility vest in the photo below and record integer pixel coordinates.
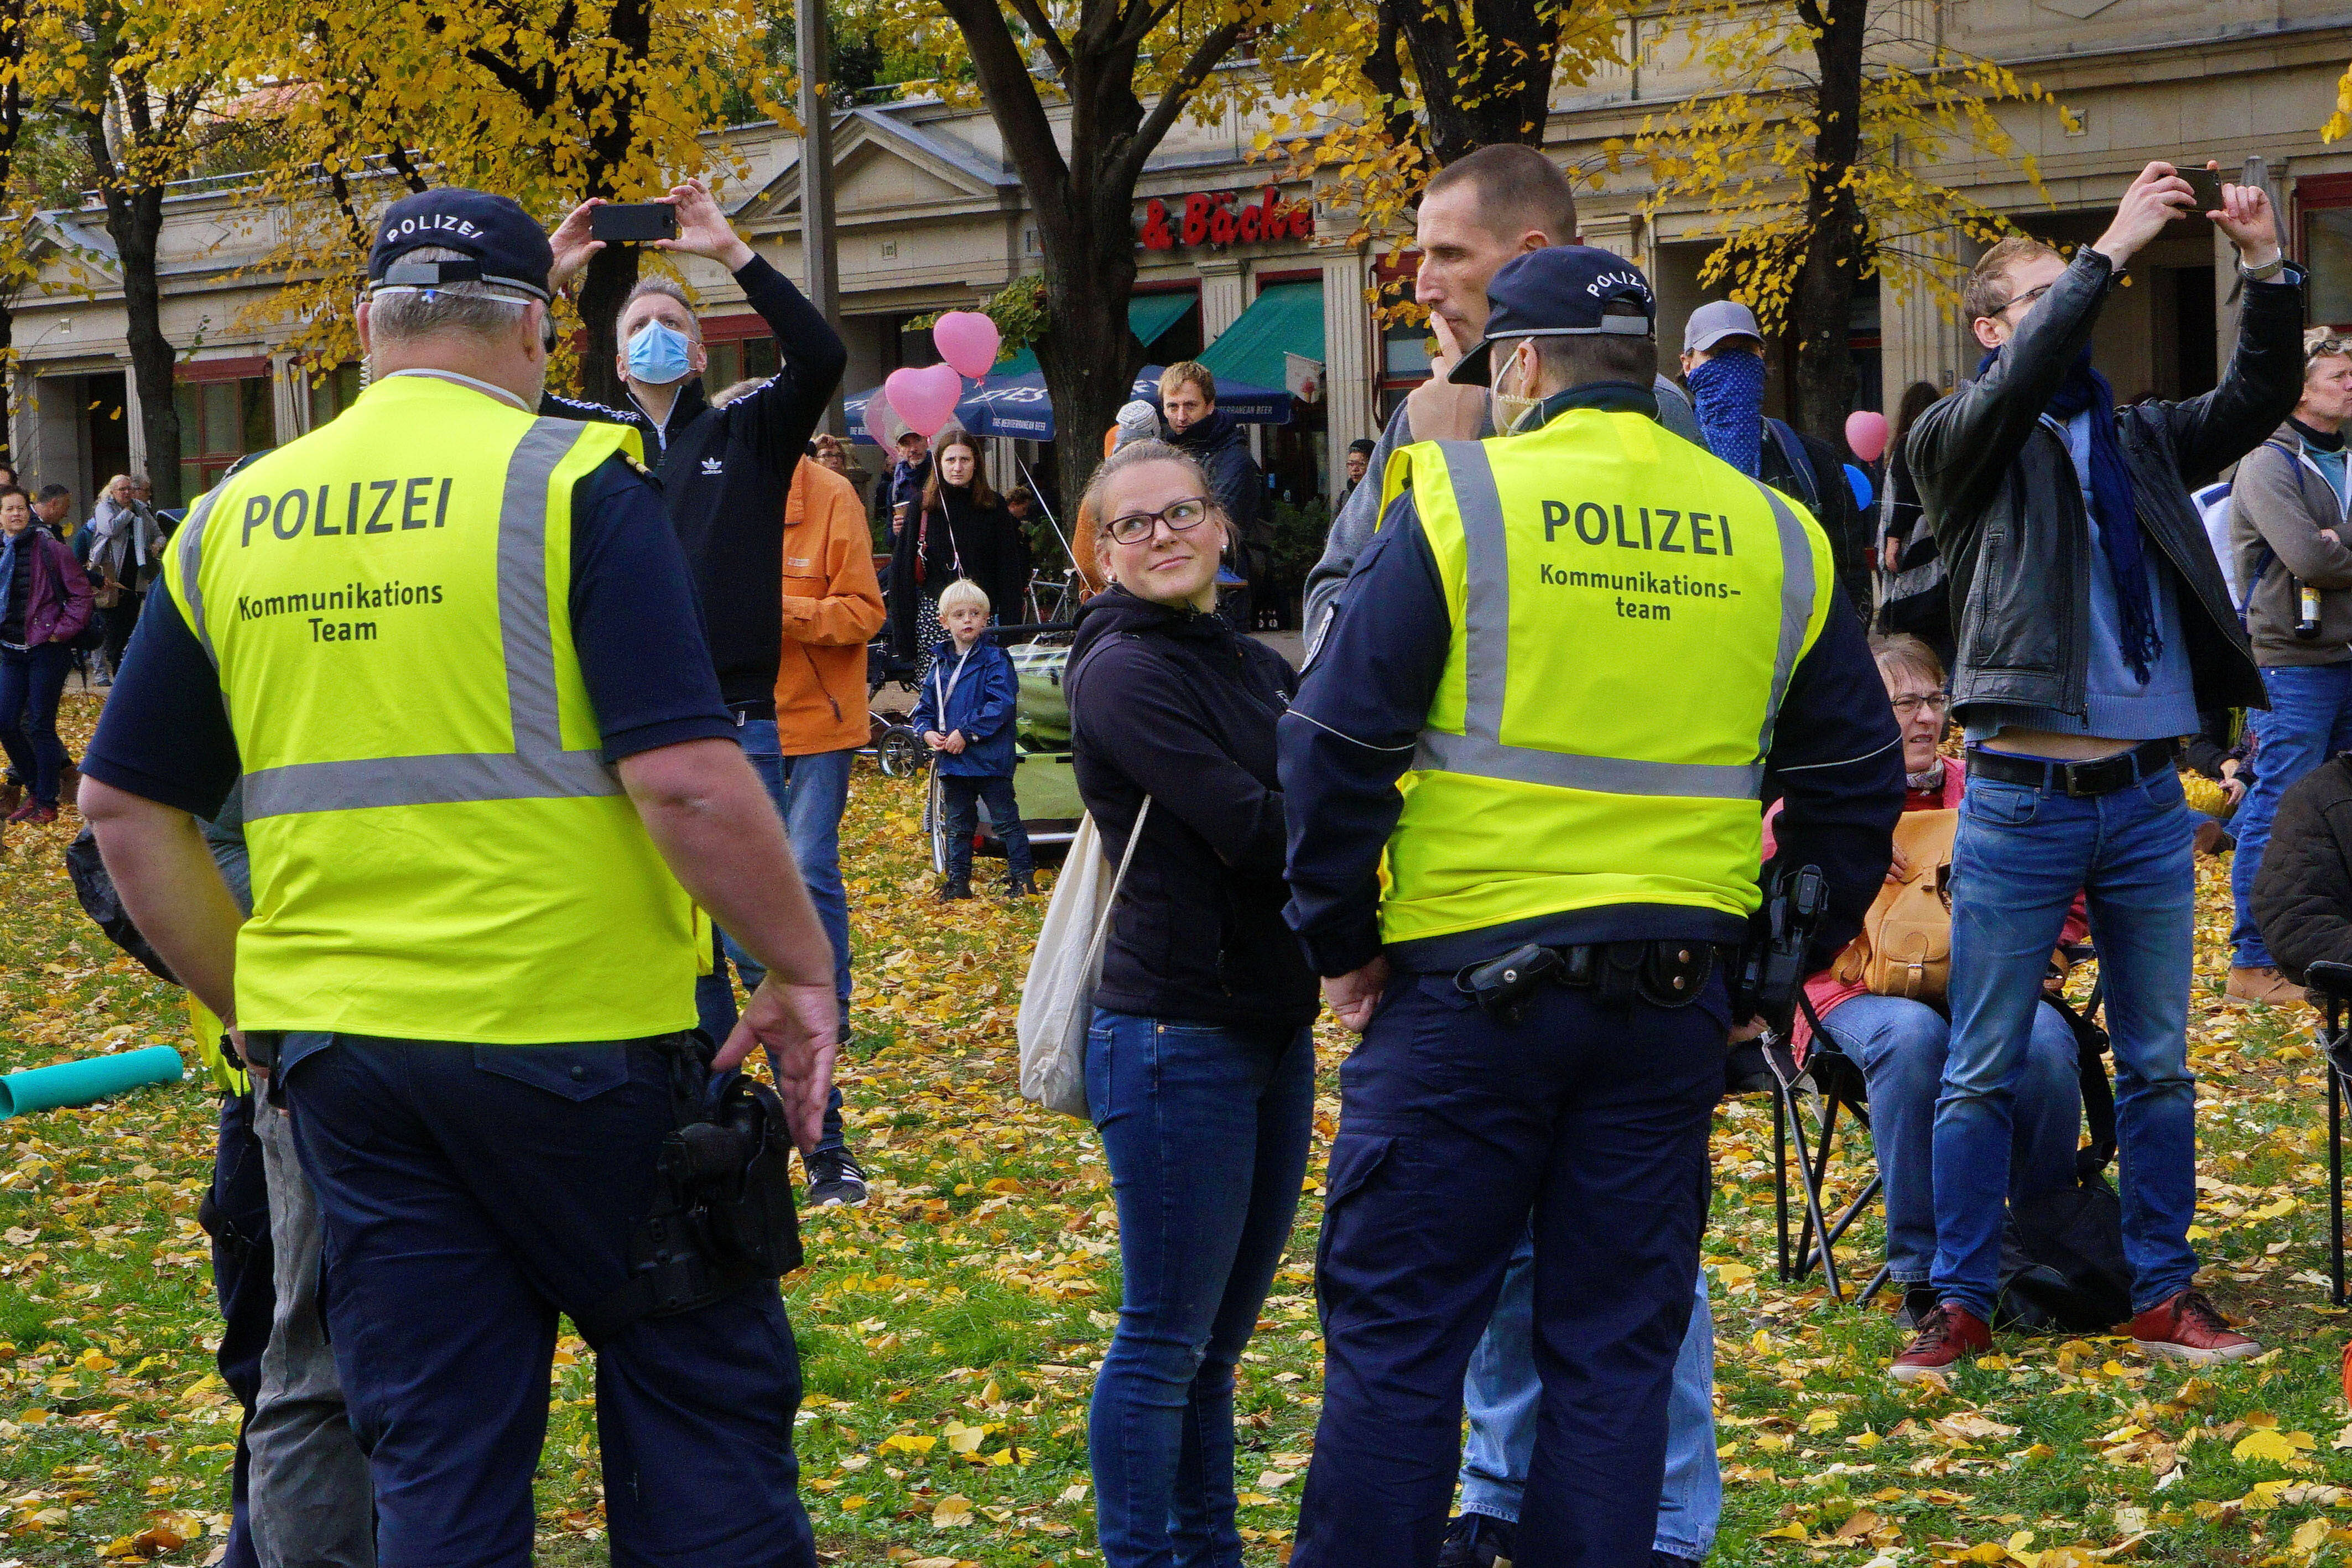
(439, 850)
(1627, 610)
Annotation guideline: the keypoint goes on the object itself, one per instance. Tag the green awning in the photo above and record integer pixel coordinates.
(1284, 318)
(1148, 316)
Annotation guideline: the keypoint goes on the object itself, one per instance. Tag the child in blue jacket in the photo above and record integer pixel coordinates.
(965, 717)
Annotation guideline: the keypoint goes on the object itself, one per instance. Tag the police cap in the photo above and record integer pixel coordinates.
(1561, 291)
(502, 244)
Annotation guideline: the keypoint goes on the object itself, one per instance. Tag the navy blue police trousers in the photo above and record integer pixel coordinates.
(1457, 1132)
(470, 1194)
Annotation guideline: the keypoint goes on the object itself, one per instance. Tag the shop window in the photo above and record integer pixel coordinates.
(746, 359)
(220, 421)
(332, 392)
(2325, 204)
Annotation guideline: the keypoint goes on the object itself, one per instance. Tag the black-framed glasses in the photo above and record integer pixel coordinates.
(1907, 707)
(2028, 297)
(1136, 526)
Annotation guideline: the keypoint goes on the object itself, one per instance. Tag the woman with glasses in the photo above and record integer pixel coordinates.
(1200, 1072)
(1900, 1044)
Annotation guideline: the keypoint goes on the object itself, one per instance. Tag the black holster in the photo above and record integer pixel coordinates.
(722, 1215)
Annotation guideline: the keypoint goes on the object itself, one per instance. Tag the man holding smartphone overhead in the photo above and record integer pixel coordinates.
(725, 474)
(2093, 625)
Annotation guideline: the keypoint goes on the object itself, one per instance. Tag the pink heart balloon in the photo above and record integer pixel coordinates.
(1866, 433)
(925, 399)
(880, 423)
(968, 340)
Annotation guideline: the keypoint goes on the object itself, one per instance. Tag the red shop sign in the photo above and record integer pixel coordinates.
(1212, 218)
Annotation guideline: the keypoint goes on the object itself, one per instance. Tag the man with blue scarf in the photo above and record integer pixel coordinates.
(2094, 624)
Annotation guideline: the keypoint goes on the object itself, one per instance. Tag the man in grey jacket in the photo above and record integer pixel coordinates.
(2288, 508)
(1476, 213)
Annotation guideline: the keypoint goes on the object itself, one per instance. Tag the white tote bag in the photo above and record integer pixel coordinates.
(1057, 999)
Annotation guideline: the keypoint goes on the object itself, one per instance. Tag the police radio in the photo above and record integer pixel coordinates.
(1772, 962)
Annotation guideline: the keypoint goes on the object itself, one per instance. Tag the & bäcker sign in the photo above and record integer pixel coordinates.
(1214, 218)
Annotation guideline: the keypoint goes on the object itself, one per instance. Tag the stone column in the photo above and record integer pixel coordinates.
(1348, 365)
(289, 396)
(136, 420)
(1221, 298)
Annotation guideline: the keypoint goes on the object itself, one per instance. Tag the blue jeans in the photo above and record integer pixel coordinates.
(1503, 1393)
(1901, 1047)
(2309, 721)
(811, 792)
(958, 793)
(1205, 1126)
(31, 681)
(2021, 854)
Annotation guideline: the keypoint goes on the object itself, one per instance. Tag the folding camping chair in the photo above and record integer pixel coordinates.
(1838, 1078)
(2333, 982)
(1839, 1083)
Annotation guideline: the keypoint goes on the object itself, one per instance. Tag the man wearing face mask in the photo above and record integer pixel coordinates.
(725, 474)
(1723, 366)
(1523, 889)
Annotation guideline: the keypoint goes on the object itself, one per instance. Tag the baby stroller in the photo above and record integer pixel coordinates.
(895, 747)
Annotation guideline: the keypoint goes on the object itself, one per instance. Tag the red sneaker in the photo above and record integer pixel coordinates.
(1946, 1334)
(33, 812)
(2189, 1328)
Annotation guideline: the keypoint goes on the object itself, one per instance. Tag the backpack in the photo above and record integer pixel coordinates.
(1905, 946)
(1800, 462)
(2212, 505)
(2063, 1265)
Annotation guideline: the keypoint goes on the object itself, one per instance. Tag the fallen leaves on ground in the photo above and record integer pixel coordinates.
(951, 1329)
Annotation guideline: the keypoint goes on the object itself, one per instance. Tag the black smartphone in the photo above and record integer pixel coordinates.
(2206, 183)
(633, 223)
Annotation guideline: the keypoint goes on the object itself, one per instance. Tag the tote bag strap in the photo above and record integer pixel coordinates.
(1117, 880)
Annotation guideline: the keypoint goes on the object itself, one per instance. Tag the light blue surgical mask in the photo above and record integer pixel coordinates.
(657, 355)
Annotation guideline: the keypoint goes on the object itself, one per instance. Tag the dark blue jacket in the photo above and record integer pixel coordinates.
(980, 705)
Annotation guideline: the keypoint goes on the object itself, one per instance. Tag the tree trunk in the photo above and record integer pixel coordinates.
(7, 382)
(135, 220)
(1820, 308)
(1503, 93)
(604, 288)
(1089, 358)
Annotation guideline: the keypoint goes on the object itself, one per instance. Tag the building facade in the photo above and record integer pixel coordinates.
(1246, 271)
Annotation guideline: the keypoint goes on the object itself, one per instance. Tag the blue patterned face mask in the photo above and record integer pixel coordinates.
(657, 355)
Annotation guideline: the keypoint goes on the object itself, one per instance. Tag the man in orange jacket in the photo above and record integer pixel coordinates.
(833, 605)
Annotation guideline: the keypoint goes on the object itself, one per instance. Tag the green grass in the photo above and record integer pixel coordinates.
(964, 1308)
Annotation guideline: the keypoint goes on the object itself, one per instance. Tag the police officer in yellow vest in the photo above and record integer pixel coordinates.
(451, 650)
(1527, 765)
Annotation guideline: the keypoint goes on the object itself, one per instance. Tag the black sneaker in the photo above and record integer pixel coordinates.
(1918, 1301)
(1477, 1541)
(1020, 887)
(953, 889)
(833, 1177)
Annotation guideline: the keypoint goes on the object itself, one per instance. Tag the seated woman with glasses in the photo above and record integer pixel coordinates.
(1899, 1043)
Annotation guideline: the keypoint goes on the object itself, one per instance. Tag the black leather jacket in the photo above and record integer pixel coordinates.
(2001, 493)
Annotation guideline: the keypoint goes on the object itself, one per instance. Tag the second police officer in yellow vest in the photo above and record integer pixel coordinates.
(452, 651)
(1559, 687)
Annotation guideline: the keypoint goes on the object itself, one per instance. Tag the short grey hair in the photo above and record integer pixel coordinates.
(668, 289)
(483, 310)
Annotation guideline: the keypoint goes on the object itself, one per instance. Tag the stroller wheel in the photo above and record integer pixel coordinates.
(899, 752)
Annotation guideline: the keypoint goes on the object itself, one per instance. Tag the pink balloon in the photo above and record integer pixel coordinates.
(881, 425)
(1866, 433)
(925, 399)
(968, 340)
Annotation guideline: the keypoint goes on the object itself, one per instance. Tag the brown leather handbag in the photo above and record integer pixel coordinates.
(1905, 946)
